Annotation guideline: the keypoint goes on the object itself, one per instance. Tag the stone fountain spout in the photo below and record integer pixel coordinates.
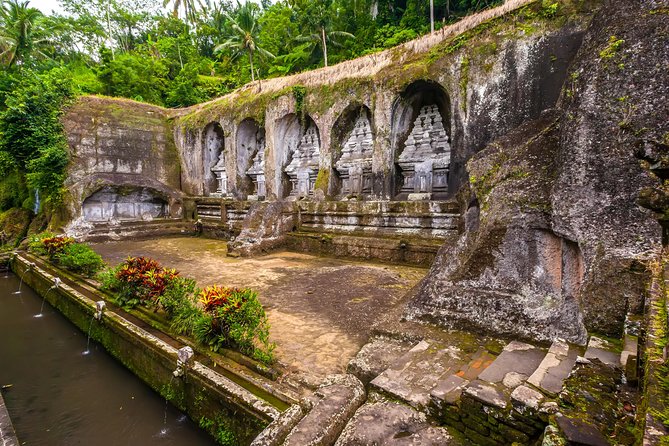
(184, 359)
(99, 309)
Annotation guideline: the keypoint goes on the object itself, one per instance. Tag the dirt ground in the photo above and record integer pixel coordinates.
(321, 310)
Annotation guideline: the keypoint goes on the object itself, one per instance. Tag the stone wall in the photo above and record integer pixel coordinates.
(461, 93)
(557, 240)
(124, 164)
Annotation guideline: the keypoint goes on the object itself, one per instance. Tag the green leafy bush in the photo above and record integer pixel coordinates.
(234, 318)
(80, 259)
(35, 244)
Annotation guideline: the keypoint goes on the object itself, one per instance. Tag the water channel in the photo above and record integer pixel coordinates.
(58, 396)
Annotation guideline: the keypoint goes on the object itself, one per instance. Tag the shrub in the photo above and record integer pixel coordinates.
(234, 318)
(56, 245)
(80, 259)
(35, 243)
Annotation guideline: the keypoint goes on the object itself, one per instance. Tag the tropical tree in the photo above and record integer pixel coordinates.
(318, 20)
(190, 10)
(244, 31)
(19, 32)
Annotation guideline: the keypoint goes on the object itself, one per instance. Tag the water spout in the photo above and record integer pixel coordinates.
(88, 340)
(184, 357)
(56, 284)
(29, 266)
(99, 309)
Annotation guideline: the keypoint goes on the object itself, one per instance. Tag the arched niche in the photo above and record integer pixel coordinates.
(215, 178)
(302, 169)
(250, 148)
(124, 203)
(353, 142)
(420, 141)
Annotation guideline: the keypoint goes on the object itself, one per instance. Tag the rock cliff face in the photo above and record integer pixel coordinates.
(556, 236)
(124, 164)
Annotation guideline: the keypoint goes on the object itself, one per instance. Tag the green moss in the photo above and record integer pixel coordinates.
(612, 48)
(323, 180)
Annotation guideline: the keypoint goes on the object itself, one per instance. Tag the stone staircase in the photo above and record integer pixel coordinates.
(431, 392)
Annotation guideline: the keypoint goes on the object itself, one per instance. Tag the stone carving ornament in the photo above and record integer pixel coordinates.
(303, 167)
(426, 156)
(355, 165)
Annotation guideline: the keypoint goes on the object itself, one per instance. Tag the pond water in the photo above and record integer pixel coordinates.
(59, 396)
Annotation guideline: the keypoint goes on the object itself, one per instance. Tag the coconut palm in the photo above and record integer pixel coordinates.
(244, 31)
(319, 21)
(188, 7)
(19, 35)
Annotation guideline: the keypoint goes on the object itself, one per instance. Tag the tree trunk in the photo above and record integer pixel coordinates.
(253, 77)
(325, 46)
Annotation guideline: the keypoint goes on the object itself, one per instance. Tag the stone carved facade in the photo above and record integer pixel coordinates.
(426, 156)
(257, 172)
(355, 165)
(303, 167)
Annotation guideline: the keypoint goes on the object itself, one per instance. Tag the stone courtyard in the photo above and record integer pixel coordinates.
(321, 310)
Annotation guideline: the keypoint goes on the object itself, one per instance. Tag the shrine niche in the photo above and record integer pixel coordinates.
(421, 145)
(250, 150)
(304, 160)
(124, 204)
(354, 166)
(215, 176)
(287, 133)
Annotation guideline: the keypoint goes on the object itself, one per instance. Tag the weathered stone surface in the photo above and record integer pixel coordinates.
(602, 350)
(518, 359)
(339, 397)
(487, 394)
(556, 253)
(448, 391)
(414, 375)
(524, 398)
(376, 356)
(121, 144)
(387, 423)
(277, 431)
(580, 433)
(7, 434)
(555, 367)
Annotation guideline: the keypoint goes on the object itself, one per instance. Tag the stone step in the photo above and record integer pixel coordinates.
(554, 368)
(604, 350)
(514, 365)
(412, 377)
(629, 358)
(333, 405)
(392, 423)
(375, 357)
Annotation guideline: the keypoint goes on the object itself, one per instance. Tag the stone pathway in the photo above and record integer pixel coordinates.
(425, 391)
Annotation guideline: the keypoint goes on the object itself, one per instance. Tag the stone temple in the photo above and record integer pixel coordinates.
(514, 158)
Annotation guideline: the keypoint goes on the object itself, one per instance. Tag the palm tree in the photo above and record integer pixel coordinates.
(188, 7)
(244, 31)
(319, 21)
(18, 33)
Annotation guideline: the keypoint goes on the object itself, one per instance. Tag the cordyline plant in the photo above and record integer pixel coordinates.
(234, 318)
(141, 280)
(56, 245)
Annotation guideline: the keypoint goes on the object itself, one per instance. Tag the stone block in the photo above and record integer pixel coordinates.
(554, 368)
(580, 433)
(526, 400)
(602, 350)
(486, 394)
(517, 357)
(448, 391)
(338, 399)
(385, 422)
